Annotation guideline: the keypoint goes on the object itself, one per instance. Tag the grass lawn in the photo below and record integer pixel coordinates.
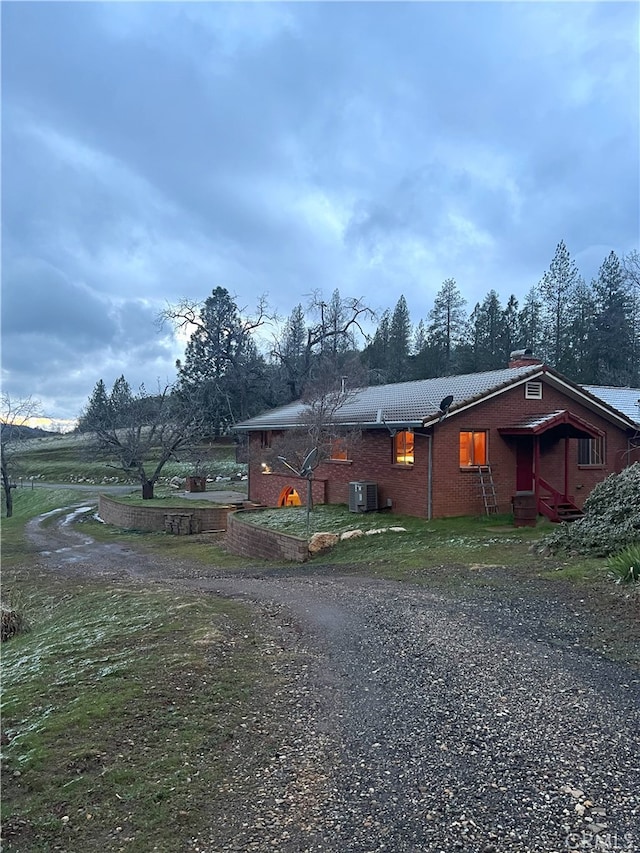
(123, 708)
(70, 459)
(414, 542)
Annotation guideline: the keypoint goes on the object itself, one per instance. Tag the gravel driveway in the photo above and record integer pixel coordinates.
(412, 721)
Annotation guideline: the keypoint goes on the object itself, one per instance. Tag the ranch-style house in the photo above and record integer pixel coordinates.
(460, 445)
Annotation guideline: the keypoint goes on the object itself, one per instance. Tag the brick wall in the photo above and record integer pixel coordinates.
(250, 540)
(152, 518)
(372, 460)
(454, 491)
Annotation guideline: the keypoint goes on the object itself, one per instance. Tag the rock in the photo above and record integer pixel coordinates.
(320, 542)
(351, 534)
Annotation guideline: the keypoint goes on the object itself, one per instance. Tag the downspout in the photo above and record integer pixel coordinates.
(430, 479)
(248, 465)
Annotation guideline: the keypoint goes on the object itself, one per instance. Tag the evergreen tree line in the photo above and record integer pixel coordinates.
(589, 332)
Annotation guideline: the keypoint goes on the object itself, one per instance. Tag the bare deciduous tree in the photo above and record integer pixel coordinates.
(320, 435)
(331, 334)
(14, 418)
(140, 432)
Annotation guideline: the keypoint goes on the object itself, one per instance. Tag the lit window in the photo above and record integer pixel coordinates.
(591, 451)
(339, 450)
(403, 448)
(473, 448)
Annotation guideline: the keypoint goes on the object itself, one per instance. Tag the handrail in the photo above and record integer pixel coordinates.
(553, 492)
(555, 502)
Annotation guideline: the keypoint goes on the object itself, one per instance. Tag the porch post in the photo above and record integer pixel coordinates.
(536, 465)
(566, 468)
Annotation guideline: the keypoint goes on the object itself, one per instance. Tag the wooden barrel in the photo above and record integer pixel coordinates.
(525, 509)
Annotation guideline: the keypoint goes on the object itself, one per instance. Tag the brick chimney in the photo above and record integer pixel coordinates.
(523, 358)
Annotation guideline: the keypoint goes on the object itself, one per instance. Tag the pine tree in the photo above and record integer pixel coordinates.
(121, 395)
(511, 328)
(447, 327)
(489, 333)
(376, 354)
(530, 323)
(631, 268)
(222, 367)
(293, 355)
(581, 315)
(557, 289)
(96, 410)
(399, 342)
(612, 332)
(419, 338)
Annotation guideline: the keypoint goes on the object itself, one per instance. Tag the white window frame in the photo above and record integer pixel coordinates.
(594, 452)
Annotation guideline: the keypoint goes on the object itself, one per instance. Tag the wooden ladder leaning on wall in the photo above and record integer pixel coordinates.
(487, 489)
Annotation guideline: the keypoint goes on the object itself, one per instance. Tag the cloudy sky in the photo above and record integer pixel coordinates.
(158, 150)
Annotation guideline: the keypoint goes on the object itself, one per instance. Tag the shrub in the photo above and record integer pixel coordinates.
(611, 521)
(13, 622)
(625, 566)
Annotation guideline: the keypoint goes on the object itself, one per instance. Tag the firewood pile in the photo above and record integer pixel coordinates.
(182, 524)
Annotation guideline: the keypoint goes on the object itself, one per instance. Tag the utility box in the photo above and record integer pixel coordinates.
(363, 496)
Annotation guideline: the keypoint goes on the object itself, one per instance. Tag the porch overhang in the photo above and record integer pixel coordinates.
(565, 424)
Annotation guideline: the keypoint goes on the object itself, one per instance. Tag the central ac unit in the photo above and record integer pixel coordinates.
(363, 496)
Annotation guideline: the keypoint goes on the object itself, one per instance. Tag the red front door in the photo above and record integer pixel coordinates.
(524, 464)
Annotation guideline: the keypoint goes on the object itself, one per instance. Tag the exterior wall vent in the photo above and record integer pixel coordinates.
(533, 391)
(363, 496)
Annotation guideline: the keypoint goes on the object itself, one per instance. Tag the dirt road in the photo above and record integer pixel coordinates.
(412, 721)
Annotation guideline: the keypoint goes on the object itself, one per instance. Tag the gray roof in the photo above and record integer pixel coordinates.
(625, 400)
(418, 403)
(407, 403)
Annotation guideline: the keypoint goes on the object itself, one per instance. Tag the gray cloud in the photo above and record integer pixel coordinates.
(152, 151)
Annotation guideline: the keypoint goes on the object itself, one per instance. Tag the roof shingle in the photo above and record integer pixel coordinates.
(417, 402)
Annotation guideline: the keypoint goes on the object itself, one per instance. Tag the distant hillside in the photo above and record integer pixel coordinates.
(11, 431)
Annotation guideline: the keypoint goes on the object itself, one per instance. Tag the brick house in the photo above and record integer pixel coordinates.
(461, 445)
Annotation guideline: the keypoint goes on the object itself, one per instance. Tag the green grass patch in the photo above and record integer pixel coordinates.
(205, 549)
(69, 459)
(167, 500)
(486, 539)
(578, 568)
(28, 503)
(119, 707)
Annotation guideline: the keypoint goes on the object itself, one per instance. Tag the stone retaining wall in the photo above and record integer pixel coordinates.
(250, 540)
(207, 519)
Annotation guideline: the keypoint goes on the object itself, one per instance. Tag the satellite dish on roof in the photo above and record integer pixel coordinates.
(309, 462)
(446, 403)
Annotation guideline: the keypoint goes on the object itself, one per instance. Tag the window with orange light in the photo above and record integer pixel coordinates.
(339, 450)
(473, 448)
(403, 447)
